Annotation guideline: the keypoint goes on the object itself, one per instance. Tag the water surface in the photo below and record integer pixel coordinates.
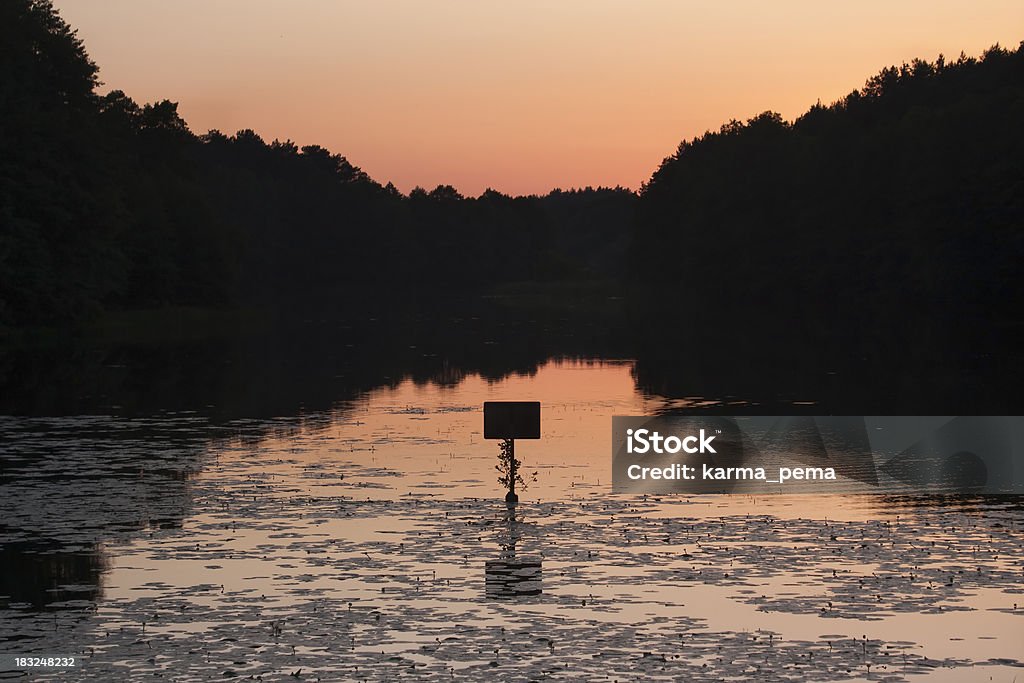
(368, 541)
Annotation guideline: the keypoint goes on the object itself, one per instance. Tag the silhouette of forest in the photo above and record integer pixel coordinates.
(108, 203)
(905, 193)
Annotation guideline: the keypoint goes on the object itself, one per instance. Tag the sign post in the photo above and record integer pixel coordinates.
(508, 421)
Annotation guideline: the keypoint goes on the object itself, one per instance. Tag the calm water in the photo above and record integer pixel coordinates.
(368, 541)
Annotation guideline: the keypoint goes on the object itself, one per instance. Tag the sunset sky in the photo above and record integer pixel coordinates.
(522, 96)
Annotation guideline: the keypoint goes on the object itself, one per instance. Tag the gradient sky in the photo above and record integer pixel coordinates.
(520, 96)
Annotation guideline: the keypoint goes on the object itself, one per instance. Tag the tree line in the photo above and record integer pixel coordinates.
(106, 203)
(906, 193)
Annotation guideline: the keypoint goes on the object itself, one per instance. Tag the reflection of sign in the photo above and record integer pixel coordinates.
(512, 419)
(512, 578)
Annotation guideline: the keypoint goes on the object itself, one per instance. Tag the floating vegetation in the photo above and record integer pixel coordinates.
(171, 547)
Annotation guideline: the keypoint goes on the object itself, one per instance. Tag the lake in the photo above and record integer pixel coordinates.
(309, 505)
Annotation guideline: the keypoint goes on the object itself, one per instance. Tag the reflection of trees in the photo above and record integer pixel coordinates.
(294, 362)
(906, 363)
(39, 577)
(323, 354)
(68, 485)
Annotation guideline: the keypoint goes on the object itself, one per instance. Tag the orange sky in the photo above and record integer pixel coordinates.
(520, 96)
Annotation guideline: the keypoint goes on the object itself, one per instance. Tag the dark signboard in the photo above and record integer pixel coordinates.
(512, 419)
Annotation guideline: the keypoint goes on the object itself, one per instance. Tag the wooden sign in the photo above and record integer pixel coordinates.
(512, 419)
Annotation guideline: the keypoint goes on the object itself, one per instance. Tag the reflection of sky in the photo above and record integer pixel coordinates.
(425, 441)
(433, 435)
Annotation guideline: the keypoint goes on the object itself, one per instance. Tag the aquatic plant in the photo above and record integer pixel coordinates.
(508, 470)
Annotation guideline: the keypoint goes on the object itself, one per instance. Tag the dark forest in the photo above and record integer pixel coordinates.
(906, 193)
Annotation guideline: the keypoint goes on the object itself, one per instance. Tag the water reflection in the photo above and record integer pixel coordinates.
(512, 576)
(320, 354)
(323, 499)
(34, 577)
(74, 487)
